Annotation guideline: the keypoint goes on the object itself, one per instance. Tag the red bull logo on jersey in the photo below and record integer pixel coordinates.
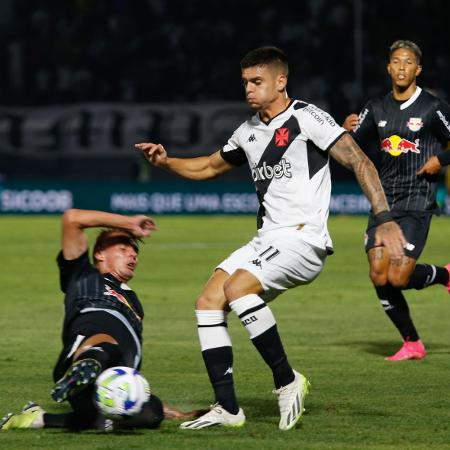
(396, 145)
(414, 123)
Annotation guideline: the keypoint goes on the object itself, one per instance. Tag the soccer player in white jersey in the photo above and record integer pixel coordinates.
(287, 144)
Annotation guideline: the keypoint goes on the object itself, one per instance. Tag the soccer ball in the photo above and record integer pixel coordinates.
(121, 392)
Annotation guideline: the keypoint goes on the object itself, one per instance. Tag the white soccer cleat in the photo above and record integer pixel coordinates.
(290, 401)
(217, 416)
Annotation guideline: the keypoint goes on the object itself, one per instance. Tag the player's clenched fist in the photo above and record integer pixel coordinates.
(141, 226)
(155, 153)
(351, 122)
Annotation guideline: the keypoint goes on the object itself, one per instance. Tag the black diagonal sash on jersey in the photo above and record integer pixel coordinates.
(317, 159)
(272, 155)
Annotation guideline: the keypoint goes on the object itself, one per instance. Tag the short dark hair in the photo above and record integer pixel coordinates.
(409, 45)
(263, 56)
(113, 236)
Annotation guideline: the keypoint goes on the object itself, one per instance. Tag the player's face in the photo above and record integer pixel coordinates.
(118, 259)
(403, 68)
(263, 85)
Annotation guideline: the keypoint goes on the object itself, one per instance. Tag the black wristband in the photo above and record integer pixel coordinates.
(444, 158)
(383, 217)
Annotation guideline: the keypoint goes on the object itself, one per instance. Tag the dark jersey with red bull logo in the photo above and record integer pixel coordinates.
(408, 133)
(87, 290)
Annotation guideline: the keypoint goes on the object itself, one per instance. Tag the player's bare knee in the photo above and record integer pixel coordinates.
(232, 290)
(399, 281)
(208, 301)
(378, 278)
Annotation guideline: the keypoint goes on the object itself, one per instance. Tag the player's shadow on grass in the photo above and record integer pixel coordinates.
(384, 348)
(265, 408)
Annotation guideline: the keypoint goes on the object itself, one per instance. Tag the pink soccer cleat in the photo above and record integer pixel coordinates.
(409, 350)
(448, 284)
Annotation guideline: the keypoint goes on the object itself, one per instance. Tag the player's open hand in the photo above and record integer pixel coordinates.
(351, 122)
(154, 153)
(431, 167)
(390, 235)
(141, 226)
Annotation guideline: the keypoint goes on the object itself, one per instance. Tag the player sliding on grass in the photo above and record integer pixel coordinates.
(410, 127)
(102, 323)
(287, 144)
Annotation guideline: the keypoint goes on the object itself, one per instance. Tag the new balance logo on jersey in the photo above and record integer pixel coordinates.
(257, 263)
(252, 138)
(266, 172)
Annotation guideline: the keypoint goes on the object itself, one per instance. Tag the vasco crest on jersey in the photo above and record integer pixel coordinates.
(281, 137)
(414, 123)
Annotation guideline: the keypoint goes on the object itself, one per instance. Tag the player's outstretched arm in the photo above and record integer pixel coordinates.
(75, 221)
(201, 168)
(171, 412)
(347, 152)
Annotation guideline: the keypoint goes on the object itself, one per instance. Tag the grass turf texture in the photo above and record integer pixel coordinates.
(334, 331)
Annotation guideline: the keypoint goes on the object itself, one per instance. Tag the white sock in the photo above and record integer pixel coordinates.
(212, 329)
(254, 314)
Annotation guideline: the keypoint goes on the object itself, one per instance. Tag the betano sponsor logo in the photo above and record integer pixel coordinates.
(361, 117)
(443, 120)
(267, 172)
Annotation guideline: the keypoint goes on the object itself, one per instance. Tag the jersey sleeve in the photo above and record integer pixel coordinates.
(74, 269)
(232, 151)
(441, 121)
(319, 127)
(365, 131)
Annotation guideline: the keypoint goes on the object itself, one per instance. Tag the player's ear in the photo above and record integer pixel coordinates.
(281, 82)
(388, 68)
(418, 70)
(99, 256)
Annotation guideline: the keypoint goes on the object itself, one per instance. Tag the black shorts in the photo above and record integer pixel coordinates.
(415, 226)
(89, 324)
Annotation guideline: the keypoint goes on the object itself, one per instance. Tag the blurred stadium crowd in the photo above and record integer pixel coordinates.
(78, 54)
(55, 51)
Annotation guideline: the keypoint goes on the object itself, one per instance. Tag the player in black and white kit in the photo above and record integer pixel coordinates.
(287, 144)
(412, 128)
(102, 323)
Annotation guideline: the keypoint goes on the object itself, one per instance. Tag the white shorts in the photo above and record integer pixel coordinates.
(279, 261)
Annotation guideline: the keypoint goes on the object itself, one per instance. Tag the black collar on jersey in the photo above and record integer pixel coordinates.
(112, 279)
(284, 110)
(403, 104)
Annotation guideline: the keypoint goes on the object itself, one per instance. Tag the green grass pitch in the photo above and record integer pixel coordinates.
(334, 331)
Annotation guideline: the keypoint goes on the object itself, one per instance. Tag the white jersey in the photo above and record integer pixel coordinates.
(288, 158)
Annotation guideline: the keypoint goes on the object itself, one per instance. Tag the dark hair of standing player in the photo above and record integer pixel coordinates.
(408, 45)
(266, 56)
